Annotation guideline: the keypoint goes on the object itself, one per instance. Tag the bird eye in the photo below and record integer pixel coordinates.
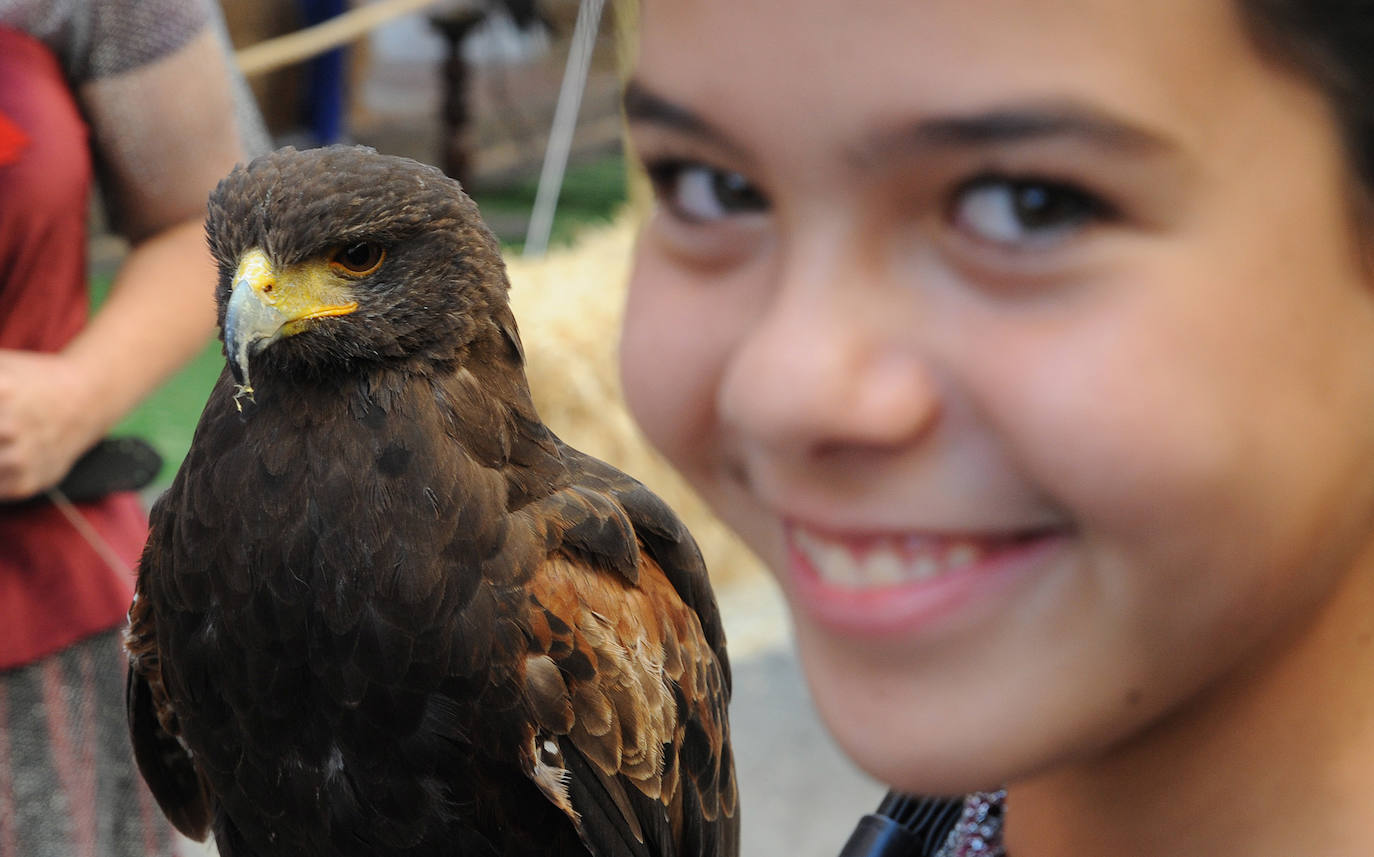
(358, 259)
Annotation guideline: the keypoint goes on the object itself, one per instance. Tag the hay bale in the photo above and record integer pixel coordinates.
(568, 305)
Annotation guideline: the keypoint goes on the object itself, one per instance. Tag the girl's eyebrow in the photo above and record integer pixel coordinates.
(643, 105)
(1003, 126)
(995, 127)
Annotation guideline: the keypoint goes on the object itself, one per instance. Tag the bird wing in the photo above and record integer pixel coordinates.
(627, 678)
(162, 757)
(666, 538)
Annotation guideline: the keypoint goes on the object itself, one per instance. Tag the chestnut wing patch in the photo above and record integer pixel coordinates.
(628, 701)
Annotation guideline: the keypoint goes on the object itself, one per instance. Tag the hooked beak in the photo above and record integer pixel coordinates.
(267, 305)
(249, 326)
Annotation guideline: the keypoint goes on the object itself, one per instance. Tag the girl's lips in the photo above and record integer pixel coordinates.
(882, 585)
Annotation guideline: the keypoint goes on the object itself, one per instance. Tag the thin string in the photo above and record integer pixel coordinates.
(87, 532)
(564, 125)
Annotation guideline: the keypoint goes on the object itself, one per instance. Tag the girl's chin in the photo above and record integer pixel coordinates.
(918, 745)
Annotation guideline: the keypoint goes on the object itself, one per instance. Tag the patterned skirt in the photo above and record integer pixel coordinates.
(68, 783)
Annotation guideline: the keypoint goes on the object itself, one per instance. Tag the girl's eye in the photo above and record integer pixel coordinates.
(358, 259)
(702, 194)
(1024, 212)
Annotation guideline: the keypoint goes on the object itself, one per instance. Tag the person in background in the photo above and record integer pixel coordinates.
(1031, 345)
(139, 97)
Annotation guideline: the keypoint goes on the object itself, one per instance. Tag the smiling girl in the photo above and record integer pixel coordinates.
(1031, 344)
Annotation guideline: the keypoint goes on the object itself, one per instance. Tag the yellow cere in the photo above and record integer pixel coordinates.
(300, 292)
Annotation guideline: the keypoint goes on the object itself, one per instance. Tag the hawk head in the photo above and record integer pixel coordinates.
(331, 259)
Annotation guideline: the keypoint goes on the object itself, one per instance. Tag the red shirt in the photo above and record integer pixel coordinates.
(55, 588)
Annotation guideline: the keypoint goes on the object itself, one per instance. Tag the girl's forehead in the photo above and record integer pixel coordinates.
(826, 62)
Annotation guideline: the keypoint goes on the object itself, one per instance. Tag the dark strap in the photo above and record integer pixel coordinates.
(113, 464)
(904, 826)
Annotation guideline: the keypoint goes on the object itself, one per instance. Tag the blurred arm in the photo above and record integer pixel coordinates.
(163, 134)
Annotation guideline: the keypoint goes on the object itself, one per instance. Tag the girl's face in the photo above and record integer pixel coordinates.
(1028, 343)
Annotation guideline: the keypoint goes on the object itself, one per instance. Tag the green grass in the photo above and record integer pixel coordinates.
(167, 419)
(591, 193)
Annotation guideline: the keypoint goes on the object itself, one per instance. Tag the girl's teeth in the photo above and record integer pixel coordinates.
(842, 569)
(885, 561)
(925, 567)
(961, 554)
(882, 565)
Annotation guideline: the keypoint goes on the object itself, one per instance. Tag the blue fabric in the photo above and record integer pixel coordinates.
(326, 82)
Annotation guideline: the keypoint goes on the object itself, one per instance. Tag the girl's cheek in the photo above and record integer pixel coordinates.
(683, 321)
(664, 359)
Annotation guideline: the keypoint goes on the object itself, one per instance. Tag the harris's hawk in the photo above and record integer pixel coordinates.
(383, 610)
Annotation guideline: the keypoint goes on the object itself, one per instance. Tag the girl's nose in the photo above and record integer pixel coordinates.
(821, 371)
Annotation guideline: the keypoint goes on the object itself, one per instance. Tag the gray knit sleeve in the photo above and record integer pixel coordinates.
(165, 130)
(95, 38)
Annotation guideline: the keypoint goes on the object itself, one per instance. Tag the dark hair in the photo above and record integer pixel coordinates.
(1331, 43)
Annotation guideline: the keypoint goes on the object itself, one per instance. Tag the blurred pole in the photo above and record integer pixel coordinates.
(564, 124)
(456, 147)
